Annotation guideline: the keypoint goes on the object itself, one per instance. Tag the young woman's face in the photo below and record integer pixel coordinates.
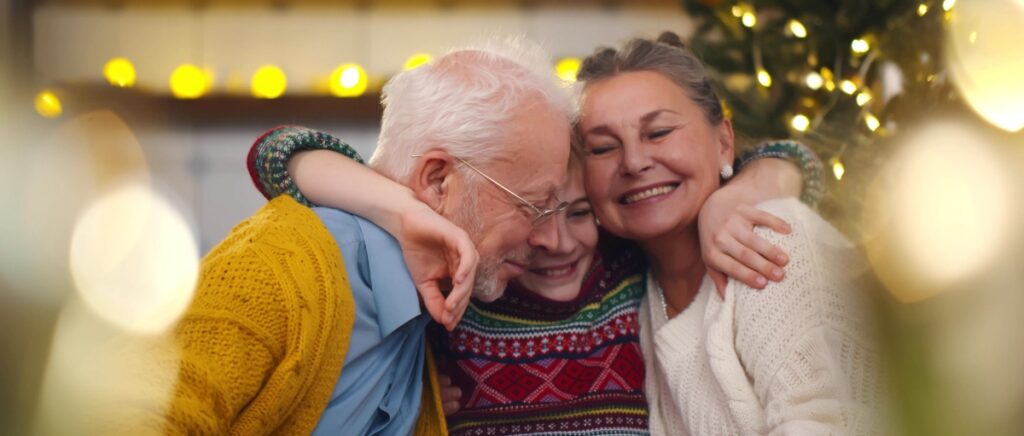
(557, 273)
(652, 158)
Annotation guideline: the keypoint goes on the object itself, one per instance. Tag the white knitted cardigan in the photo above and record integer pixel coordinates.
(793, 359)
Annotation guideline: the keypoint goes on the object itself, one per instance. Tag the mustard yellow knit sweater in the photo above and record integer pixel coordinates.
(262, 344)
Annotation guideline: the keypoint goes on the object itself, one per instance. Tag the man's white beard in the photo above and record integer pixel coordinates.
(485, 287)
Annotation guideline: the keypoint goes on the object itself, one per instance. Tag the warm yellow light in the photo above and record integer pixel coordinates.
(922, 9)
(872, 122)
(973, 37)
(860, 46)
(797, 29)
(348, 80)
(838, 169)
(749, 19)
(269, 82)
(848, 87)
(800, 122)
(567, 69)
(134, 259)
(863, 98)
(188, 81)
(119, 72)
(764, 78)
(417, 60)
(737, 11)
(947, 5)
(814, 80)
(48, 105)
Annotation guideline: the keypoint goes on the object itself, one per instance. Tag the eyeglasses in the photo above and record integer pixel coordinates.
(539, 215)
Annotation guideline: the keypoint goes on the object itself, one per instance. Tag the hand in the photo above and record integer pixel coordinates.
(729, 245)
(450, 395)
(439, 255)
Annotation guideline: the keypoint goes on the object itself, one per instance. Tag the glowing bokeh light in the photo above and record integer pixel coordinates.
(48, 105)
(838, 169)
(764, 78)
(134, 259)
(863, 98)
(797, 29)
(942, 211)
(947, 5)
(800, 122)
(348, 80)
(567, 69)
(987, 67)
(872, 122)
(922, 9)
(860, 46)
(848, 87)
(749, 19)
(417, 60)
(269, 82)
(119, 72)
(814, 80)
(188, 82)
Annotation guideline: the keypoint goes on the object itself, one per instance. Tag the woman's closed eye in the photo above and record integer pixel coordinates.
(580, 212)
(656, 134)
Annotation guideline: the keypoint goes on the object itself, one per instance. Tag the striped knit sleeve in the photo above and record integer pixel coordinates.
(268, 158)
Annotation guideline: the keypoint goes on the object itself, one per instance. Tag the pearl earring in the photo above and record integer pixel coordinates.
(726, 172)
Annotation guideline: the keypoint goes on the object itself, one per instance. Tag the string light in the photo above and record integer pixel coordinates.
(797, 29)
(800, 122)
(567, 69)
(188, 81)
(872, 122)
(838, 169)
(863, 98)
(922, 9)
(348, 80)
(417, 60)
(48, 105)
(737, 11)
(947, 5)
(848, 87)
(814, 80)
(749, 19)
(764, 78)
(860, 46)
(119, 72)
(830, 84)
(269, 82)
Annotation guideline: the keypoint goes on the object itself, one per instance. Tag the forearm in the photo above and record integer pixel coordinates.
(330, 179)
(765, 179)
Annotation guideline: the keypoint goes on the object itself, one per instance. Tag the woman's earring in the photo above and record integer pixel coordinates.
(597, 221)
(726, 172)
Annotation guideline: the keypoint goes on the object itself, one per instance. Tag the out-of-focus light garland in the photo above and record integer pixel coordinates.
(120, 72)
(349, 80)
(48, 105)
(269, 81)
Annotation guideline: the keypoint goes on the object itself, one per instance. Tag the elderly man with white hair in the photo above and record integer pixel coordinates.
(307, 320)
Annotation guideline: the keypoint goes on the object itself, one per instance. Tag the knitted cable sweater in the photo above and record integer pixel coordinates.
(793, 359)
(525, 364)
(262, 344)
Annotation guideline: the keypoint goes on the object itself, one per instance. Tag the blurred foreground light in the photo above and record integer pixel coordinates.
(134, 260)
(348, 80)
(48, 105)
(568, 68)
(941, 210)
(800, 122)
(417, 60)
(922, 9)
(120, 72)
(269, 82)
(985, 60)
(764, 78)
(797, 29)
(863, 98)
(947, 5)
(188, 82)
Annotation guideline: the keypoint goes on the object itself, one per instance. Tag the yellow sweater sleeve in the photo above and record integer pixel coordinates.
(262, 344)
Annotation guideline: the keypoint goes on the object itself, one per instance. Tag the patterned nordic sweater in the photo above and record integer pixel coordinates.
(525, 364)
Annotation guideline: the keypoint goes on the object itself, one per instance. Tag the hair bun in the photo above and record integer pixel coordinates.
(670, 38)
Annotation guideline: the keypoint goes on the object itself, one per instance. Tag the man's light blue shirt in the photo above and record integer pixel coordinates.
(381, 381)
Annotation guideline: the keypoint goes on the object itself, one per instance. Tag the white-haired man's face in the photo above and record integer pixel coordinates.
(502, 226)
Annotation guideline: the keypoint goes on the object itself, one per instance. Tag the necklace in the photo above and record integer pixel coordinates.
(661, 297)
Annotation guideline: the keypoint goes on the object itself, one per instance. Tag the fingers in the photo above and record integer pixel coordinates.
(462, 262)
(759, 217)
(432, 300)
(720, 281)
(450, 395)
(731, 267)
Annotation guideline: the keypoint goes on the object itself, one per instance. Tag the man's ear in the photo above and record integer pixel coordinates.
(726, 141)
(432, 178)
